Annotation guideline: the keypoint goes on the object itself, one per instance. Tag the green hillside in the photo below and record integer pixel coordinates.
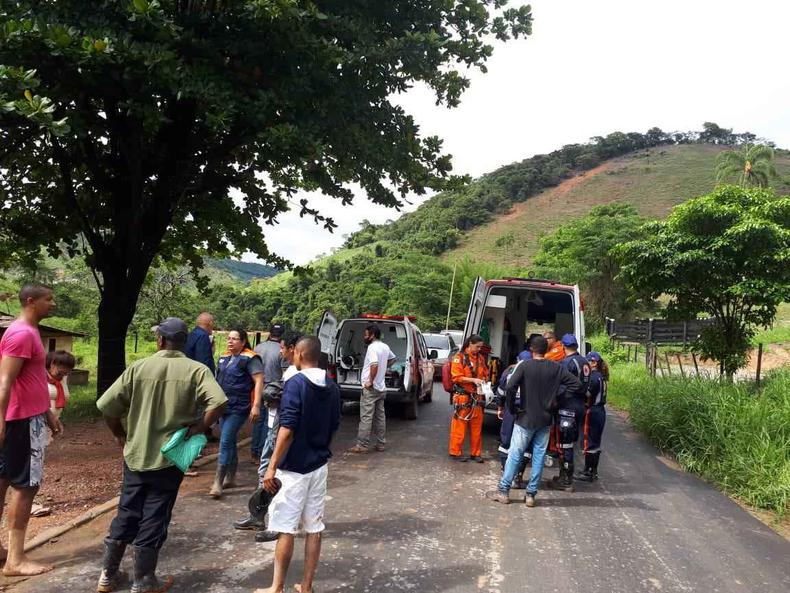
(242, 270)
(652, 180)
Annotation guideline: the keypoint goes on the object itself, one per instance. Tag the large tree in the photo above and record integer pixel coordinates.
(127, 127)
(725, 255)
(580, 252)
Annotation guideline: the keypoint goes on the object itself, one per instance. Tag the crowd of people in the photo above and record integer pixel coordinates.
(548, 400)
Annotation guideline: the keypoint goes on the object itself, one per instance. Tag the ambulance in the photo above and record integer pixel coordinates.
(506, 312)
(408, 381)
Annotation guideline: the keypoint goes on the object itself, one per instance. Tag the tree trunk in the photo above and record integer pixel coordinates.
(116, 310)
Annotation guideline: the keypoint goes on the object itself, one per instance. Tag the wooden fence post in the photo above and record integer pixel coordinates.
(696, 367)
(680, 364)
(669, 369)
(759, 361)
(650, 330)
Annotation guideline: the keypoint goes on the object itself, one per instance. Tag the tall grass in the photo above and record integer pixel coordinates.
(733, 435)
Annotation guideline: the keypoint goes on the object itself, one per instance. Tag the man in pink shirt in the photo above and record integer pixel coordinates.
(24, 418)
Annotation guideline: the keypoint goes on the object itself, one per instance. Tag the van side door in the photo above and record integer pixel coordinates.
(474, 316)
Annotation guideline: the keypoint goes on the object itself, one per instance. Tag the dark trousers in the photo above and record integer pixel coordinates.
(594, 422)
(146, 506)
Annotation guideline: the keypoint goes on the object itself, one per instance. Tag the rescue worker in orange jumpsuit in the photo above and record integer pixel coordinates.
(469, 370)
(556, 349)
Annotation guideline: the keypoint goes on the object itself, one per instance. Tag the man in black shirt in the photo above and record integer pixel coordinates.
(539, 381)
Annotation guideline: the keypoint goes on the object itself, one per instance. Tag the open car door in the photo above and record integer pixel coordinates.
(327, 331)
(474, 316)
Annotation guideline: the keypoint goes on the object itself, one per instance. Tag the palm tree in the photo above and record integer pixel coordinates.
(753, 164)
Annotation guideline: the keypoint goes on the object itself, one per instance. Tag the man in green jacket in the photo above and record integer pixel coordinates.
(157, 396)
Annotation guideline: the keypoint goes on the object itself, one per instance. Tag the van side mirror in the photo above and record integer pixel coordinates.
(433, 354)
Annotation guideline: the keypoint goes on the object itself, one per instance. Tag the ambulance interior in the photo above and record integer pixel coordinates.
(351, 347)
(513, 313)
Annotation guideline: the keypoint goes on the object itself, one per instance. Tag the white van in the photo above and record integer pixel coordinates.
(408, 381)
(505, 312)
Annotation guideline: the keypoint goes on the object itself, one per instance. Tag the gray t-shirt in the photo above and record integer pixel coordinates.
(269, 351)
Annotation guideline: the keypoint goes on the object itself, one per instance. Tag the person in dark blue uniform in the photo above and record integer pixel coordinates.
(571, 412)
(595, 417)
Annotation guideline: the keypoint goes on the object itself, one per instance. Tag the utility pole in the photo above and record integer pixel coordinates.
(450, 304)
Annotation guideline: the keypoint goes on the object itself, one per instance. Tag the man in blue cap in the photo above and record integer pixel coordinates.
(571, 411)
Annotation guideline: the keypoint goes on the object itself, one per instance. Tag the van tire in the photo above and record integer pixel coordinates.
(410, 409)
(428, 397)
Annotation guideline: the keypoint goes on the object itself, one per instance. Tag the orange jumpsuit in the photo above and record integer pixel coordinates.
(467, 366)
(556, 353)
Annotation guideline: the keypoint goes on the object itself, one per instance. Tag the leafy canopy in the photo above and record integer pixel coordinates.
(727, 255)
(127, 123)
(580, 252)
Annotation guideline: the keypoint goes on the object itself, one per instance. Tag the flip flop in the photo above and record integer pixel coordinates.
(38, 510)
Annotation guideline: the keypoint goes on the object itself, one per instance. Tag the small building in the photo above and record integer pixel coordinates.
(52, 337)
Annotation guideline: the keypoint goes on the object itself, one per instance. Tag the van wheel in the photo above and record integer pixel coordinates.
(428, 397)
(410, 409)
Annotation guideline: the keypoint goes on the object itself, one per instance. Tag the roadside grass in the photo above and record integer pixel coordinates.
(733, 435)
(82, 403)
(779, 332)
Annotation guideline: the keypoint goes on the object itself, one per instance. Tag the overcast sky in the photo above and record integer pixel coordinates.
(588, 69)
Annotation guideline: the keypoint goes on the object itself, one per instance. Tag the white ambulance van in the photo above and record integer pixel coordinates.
(506, 312)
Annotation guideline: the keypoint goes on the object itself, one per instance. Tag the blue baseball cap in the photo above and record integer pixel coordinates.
(569, 340)
(525, 355)
(594, 356)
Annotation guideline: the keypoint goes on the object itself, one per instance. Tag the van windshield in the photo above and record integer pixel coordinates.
(437, 341)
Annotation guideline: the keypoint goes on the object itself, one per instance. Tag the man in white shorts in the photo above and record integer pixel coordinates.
(309, 416)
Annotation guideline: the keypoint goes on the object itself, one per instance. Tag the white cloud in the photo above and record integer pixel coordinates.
(591, 68)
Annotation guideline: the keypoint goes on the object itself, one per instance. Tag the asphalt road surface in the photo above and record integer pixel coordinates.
(409, 520)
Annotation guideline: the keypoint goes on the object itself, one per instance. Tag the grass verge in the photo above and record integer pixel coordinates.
(732, 435)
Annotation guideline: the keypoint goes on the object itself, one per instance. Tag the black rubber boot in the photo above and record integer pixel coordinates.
(230, 477)
(145, 579)
(564, 480)
(589, 463)
(518, 482)
(596, 459)
(111, 578)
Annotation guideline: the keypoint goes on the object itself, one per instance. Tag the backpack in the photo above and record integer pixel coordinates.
(447, 376)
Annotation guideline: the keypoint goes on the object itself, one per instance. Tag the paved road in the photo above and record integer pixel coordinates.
(411, 520)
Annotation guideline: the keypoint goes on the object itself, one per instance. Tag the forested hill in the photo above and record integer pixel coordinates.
(241, 270)
(441, 222)
(490, 227)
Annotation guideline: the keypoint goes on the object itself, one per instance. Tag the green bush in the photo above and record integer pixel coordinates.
(731, 434)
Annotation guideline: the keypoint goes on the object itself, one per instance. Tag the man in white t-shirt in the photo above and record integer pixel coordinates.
(371, 403)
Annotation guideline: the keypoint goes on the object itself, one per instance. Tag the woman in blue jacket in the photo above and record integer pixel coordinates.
(240, 374)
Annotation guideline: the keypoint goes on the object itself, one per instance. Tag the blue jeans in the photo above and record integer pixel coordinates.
(260, 430)
(229, 426)
(518, 444)
(268, 447)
